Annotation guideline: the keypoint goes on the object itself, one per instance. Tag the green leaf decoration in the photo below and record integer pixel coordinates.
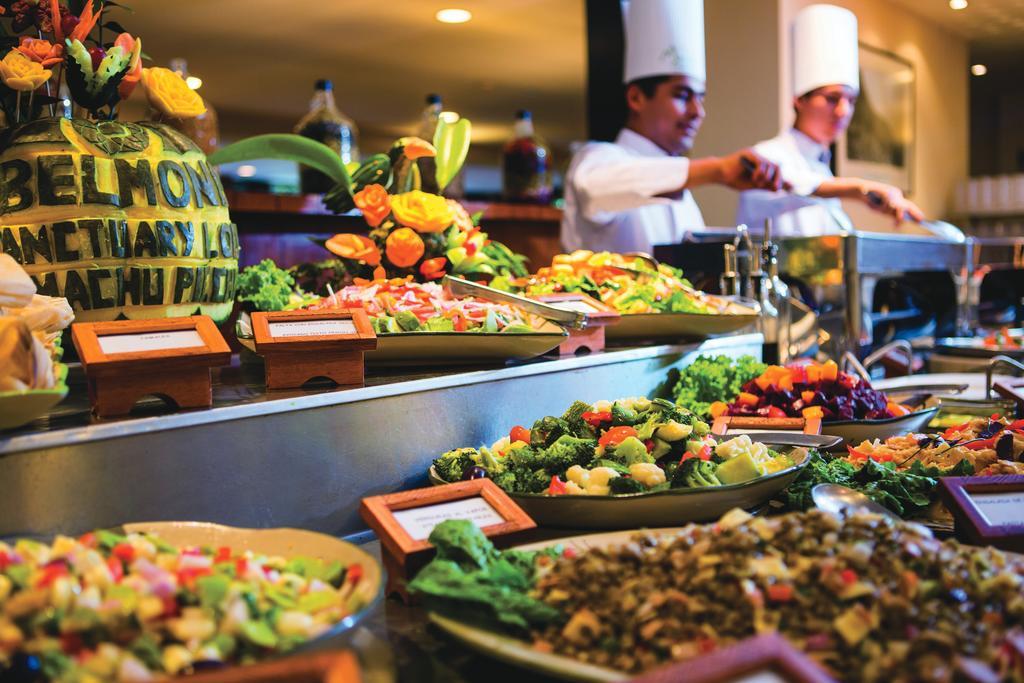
(290, 147)
(451, 140)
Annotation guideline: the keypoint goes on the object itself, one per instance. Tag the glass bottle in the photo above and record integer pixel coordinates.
(526, 164)
(204, 129)
(428, 125)
(325, 123)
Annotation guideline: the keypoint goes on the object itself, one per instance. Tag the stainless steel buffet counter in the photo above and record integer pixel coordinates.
(301, 459)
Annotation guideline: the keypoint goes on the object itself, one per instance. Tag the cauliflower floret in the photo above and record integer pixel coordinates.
(578, 475)
(733, 447)
(600, 476)
(574, 489)
(647, 473)
(603, 407)
(598, 490)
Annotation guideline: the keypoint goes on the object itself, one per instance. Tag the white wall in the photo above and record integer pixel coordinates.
(749, 92)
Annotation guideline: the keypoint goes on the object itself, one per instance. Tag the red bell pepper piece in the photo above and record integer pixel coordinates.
(241, 566)
(5, 561)
(88, 540)
(124, 552)
(705, 452)
(557, 486)
(775, 411)
(848, 576)
(982, 445)
(649, 444)
(116, 569)
(616, 435)
(857, 455)
(355, 572)
(51, 573)
(780, 592)
(595, 419)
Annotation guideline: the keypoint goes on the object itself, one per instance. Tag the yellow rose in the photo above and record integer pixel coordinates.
(168, 94)
(21, 73)
(422, 211)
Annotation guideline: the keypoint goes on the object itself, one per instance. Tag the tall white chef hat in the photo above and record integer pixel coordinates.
(664, 37)
(824, 48)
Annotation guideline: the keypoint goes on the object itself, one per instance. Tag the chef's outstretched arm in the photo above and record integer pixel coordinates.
(879, 196)
(608, 183)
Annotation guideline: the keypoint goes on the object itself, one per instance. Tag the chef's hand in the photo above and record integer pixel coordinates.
(748, 170)
(890, 200)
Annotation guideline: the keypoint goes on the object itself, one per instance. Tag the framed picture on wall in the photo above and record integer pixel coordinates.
(879, 144)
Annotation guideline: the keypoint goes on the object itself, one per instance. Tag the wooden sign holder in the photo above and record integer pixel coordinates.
(591, 336)
(325, 667)
(403, 555)
(180, 375)
(723, 423)
(971, 526)
(770, 655)
(1013, 389)
(294, 360)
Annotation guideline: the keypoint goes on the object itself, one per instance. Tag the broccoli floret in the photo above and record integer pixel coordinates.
(566, 452)
(620, 485)
(574, 419)
(630, 451)
(695, 473)
(547, 430)
(452, 464)
(536, 481)
(621, 415)
(507, 480)
(525, 456)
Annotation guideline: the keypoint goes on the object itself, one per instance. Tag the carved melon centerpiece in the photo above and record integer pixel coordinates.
(122, 219)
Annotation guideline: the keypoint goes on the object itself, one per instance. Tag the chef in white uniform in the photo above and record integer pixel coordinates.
(826, 83)
(633, 194)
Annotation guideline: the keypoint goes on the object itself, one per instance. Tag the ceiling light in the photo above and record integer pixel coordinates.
(979, 69)
(194, 82)
(246, 171)
(957, 4)
(448, 117)
(453, 16)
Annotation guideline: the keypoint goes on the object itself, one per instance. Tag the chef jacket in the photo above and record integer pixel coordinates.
(611, 201)
(805, 164)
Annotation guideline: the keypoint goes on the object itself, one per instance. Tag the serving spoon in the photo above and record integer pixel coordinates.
(838, 500)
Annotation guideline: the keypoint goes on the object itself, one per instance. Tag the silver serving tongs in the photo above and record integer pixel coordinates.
(459, 287)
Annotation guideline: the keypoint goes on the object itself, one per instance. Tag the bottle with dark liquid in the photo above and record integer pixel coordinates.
(428, 125)
(325, 123)
(526, 164)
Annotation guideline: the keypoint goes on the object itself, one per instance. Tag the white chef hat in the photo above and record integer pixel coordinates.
(824, 48)
(664, 37)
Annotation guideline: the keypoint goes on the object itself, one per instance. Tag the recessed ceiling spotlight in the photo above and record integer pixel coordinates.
(979, 69)
(957, 4)
(453, 16)
(194, 82)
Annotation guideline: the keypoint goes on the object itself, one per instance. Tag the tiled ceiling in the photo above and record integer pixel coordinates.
(258, 60)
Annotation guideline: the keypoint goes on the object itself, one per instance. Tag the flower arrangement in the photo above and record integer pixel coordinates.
(410, 232)
(98, 74)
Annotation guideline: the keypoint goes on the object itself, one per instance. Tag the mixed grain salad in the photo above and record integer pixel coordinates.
(867, 598)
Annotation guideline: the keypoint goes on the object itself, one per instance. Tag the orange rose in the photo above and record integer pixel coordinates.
(356, 247)
(416, 148)
(41, 51)
(404, 247)
(374, 202)
(421, 211)
(433, 268)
